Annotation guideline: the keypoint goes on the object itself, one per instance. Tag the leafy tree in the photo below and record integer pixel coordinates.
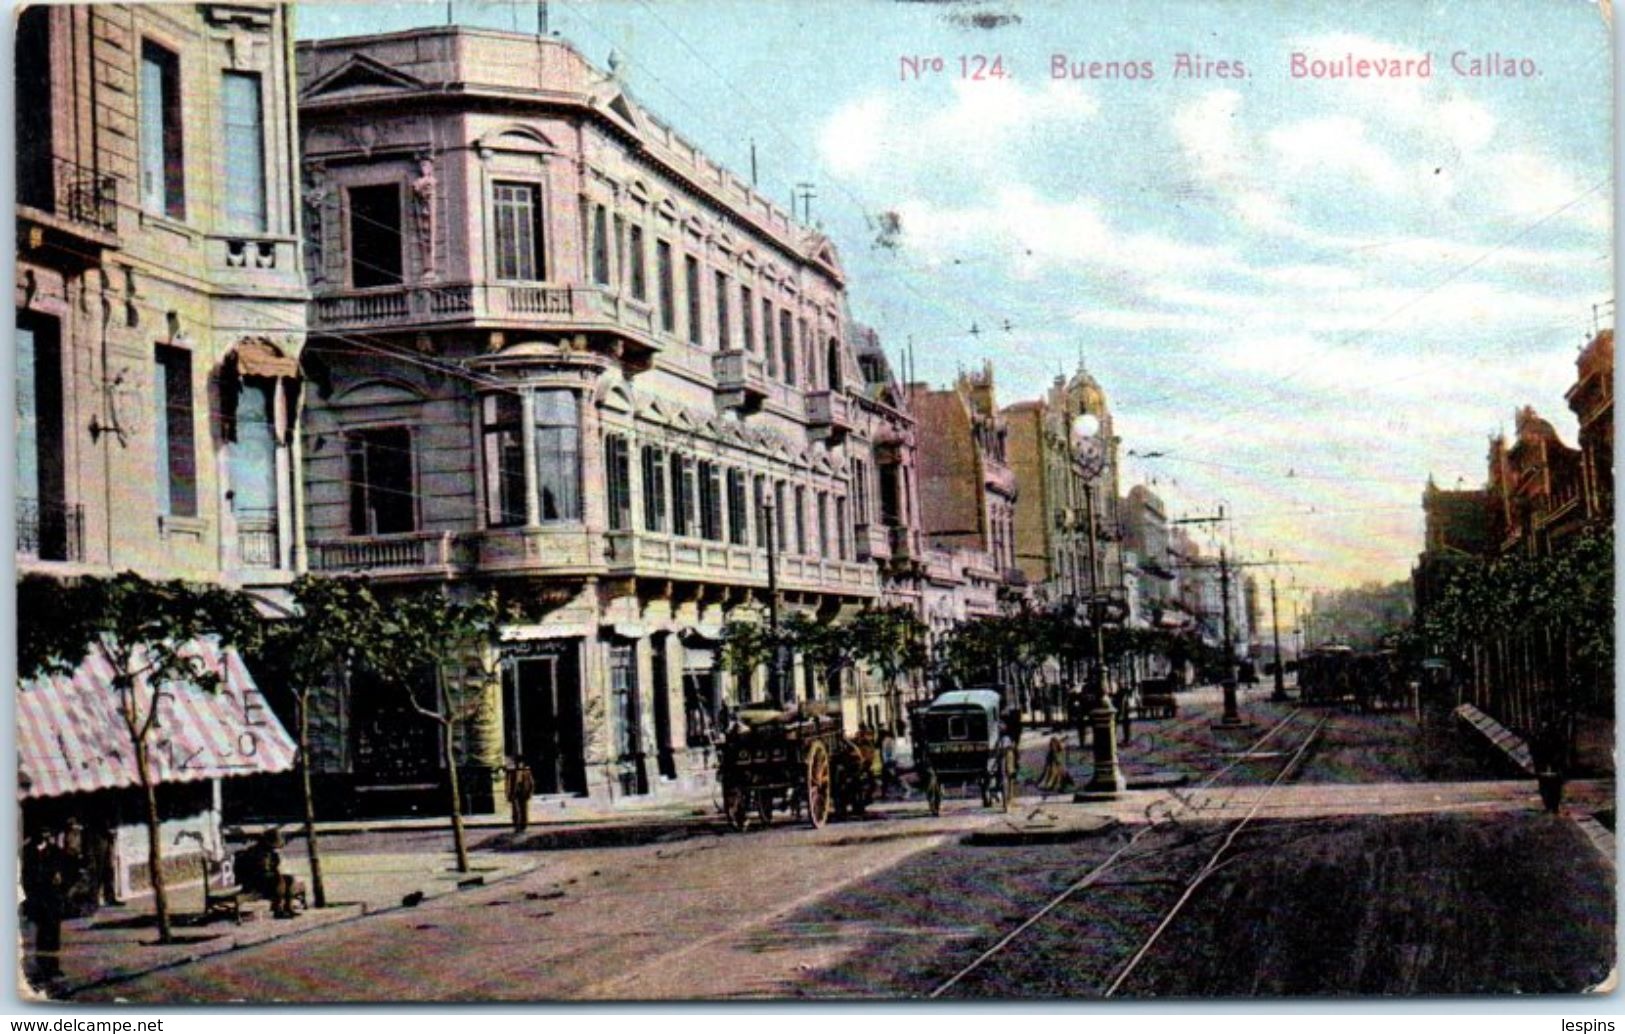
(337, 629)
(829, 647)
(453, 641)
(891, 641)
(746, 647)
(148, 631)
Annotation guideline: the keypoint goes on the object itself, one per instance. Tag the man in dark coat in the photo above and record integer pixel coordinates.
(521, 788)
(47, 871)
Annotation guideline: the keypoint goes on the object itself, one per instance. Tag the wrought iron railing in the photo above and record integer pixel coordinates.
(48, 531)
(73, 192)
(258, 544)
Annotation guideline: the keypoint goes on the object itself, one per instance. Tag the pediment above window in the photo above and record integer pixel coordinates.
(361, 74)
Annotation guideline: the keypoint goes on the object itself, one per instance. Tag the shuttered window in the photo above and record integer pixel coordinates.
(516, 210)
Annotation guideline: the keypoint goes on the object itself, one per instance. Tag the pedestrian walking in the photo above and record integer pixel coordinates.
(888, 764)
(1055, 777)
(521, 788)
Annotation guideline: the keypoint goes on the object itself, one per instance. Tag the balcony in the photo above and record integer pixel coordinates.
(651, 554)
(905, 543)
(66, 201)
(741, 382)
(258, 544)
(829, 415)
(417, 553)
(50, 532)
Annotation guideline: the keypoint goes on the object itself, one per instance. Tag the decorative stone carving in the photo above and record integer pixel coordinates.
(423, 205)
(315, 193)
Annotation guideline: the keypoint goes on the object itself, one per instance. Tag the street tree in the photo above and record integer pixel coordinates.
(441, 652)
(149, 633)
(336, 629)
(746, 647)
(891, 642)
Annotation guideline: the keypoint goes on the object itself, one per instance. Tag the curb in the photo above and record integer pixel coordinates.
(1600, 837)
(1030, 836)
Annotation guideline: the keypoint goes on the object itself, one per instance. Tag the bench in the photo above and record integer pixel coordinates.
(222, 895)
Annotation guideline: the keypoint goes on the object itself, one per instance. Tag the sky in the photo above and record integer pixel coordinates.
(1303, 296)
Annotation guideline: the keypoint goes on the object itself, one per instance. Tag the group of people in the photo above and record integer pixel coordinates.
(877, 754)
(68, 871)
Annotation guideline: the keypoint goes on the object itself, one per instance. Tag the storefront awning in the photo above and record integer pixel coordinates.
(71, 737)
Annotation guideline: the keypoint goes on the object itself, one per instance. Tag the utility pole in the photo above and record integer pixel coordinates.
(1232, 715)
(1279, 696)
(805, 193)
(1108, 777)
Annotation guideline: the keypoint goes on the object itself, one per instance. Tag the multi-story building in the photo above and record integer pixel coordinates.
(160, 305)
(1067, 484)
(565, 353)
(1145, 551)
(160, 295)
(885, 506)
(1537, 486)
(967, 489)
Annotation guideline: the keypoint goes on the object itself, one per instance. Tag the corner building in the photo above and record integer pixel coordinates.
(565, 354)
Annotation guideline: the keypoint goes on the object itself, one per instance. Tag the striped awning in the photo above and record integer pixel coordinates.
(71, 736)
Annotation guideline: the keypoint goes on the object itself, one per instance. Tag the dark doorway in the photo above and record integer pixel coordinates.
(660, 679)
(542, 699)
(394, 745)
(628, 717)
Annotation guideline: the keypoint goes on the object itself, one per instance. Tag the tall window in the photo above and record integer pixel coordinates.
(600, 244)
(770, 350)
(860, 491)
(801, 520)
(691, 278)
(891, 511)
(502, 436)
(684, 519)
(375, 235)
(558, 455)
(383, 496)
(654, 488)
(781, 540)
(640, 272)
(668, 289)
(736, 506)
(173, 427)
(620, 247)
(252, 458)
(823, 524)
(33, 97)
(163, 173)
(43, 526)
(516, 209)
(806, 353)
(245, 151)
(787, 345)
(759, 498)
(724, 331)
(710, 502)
(618, 472)
(747, 318)
(840, 527)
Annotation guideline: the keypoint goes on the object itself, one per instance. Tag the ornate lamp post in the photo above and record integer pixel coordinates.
(1091, 454)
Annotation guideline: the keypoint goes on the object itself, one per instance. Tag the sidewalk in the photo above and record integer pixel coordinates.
(121, 941)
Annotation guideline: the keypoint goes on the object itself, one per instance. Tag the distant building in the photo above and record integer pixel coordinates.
(967, 490)
(1592, 400)
(1146, 551)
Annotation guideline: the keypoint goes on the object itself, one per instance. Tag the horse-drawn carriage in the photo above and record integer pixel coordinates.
(794, 760)
(958, 741)
(1157, 698)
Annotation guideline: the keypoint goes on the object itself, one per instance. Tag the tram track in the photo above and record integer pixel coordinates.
(1161, 814)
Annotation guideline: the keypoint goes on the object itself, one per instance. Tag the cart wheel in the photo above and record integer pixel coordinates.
(819, 797)
(933, 793)
(736, 804)
(1007, 780)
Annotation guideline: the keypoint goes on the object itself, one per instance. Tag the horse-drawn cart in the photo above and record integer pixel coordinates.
(787, 760)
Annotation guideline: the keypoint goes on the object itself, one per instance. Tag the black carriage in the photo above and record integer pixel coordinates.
(787, 760)
(1157, 698)
(958, 741)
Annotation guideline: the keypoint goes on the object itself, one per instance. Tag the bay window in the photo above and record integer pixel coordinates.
(558, 455)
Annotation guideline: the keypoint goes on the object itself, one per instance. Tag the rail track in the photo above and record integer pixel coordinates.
(1160, 814)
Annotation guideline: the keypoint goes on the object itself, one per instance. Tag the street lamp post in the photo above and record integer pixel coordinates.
(1232, 713)
(1108, 777)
